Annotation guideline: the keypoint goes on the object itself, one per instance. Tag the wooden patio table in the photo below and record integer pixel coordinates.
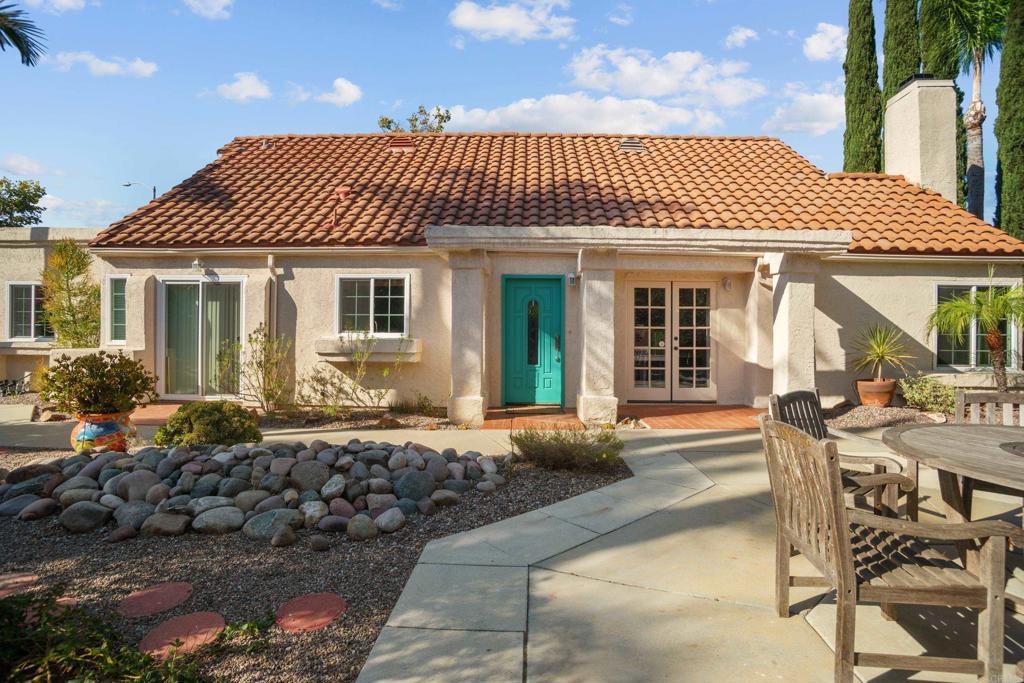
(992, 453)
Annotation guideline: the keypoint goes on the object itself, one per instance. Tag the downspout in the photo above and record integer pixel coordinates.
(272, 304)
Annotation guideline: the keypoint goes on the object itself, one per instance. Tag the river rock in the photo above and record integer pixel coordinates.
(415, 485)
(312, 512)
(133, 513)
(308, 475)
(444, 497)
(264, 525)
(390, 520)
(248, 500)
(15, 506)
(137, 484)
(361, 528)
(165, 524)
(200, 505)
(76, 483)
(43, 507)
(221, 520)
(84, 516)
(69, 498)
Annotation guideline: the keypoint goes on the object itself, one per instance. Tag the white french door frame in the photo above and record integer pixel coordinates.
(672, 392)
(161, 330)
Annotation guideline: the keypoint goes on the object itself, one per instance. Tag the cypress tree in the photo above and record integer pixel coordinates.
(900, 45)
(1010, 126)
(938, 58)
(862, 151)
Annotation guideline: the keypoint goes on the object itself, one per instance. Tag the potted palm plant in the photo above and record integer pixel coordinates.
(879, 346)
(102, 390)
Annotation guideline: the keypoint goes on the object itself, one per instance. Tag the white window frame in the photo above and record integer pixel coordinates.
(1013, 332)
(108, 309)
(7, 318)
(338, 278)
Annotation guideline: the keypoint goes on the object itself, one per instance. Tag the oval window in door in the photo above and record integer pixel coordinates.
(532, 332)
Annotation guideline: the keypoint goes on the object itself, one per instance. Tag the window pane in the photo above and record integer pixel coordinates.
(355, 305)
(389, 306)
(21, 310)
(117, 309)
(532, 332)
(42, 327)
(952, 351)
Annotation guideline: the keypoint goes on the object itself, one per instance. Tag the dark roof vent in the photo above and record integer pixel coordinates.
(632, 145)
(914, 77)
(401, 144)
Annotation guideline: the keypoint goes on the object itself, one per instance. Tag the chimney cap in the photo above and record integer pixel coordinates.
(915, 77)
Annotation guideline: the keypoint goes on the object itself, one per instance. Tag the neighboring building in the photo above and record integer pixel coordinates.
(581, 270)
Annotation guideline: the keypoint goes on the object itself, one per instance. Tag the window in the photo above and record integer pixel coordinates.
(971, 350)
(376, 305)
(25, 312)
(118, 309)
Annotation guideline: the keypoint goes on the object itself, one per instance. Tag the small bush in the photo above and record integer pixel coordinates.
(421, 406)
(324, 389)
(570, 449)
(42, 640)
(97, 383)
(928, 394)
(209, 422)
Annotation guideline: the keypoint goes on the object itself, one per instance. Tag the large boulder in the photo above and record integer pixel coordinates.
(134, 513)
(69, 498)
(26, 472)
(415, 485)
(390, 520)
(222, 520)
(333, 488)
(137, 484)
(84, 516)
(248, 500)
(165, 524)
(44, 507)
(200, 505)
(361, 528)
(309, 475)
(264, 525)
(15, 506)
(231, 487)
(76, 483)
(312, 512)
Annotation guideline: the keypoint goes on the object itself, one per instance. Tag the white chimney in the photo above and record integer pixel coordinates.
(920, 134)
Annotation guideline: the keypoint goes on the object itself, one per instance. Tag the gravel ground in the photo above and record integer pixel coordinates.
(369, 421)
(242, 579)
(870, 417)
(16, 457)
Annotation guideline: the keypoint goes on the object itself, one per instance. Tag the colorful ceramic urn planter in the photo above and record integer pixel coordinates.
(112, 431)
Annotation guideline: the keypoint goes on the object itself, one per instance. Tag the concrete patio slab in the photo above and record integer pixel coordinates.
(413, 655)
(15, 413)
(467, 547)
(584, 631)
(651, 492)
(471, 598)
(533, 536)
(598, 511)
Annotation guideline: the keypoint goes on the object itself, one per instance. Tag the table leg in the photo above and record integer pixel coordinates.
(956, 513)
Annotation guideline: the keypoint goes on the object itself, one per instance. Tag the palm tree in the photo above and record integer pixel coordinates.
(18, 31)
(991, 306)
(975, 30)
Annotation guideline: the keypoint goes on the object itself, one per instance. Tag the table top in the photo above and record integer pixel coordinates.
(991, 453)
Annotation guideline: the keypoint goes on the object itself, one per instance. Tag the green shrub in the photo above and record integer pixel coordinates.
(928, 394)
(41, 640)
(569, 449)
(97, 383)
(209, 422)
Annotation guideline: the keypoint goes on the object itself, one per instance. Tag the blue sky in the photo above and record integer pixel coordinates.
(147, 90)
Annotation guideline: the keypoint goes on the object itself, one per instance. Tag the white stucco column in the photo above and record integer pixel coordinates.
(793, 279)
(467, 402)
(596, 402)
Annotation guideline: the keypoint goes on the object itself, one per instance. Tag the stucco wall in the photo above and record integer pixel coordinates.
(851, 295)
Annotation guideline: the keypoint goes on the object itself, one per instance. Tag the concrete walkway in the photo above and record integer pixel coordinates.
(663, 577)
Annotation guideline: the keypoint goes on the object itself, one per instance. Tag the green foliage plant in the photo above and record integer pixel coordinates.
(1010, 126)
(928, 394)
(98, 383)
(570, 449)
(209, 422)
(71, 299)
(420, 121)
(261, 372)
(862, 141)
(879, 346)
(19, 202)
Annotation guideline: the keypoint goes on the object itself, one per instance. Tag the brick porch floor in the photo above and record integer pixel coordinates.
(155, 414)
(655, 416)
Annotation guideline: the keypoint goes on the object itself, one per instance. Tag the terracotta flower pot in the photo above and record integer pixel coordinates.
(112, 430)
(876, 392)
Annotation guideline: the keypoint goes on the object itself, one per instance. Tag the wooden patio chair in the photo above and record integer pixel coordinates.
(870, 558)
(1001, 408)
(881, 477)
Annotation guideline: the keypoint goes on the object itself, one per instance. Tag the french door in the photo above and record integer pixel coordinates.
(201, 338)
(673, 349)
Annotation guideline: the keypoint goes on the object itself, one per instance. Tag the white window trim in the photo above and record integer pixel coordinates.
(338, 278)
(7, 317)
(1013, 332)
(107, 314)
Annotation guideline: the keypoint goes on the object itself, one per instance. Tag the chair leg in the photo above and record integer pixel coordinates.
(846, 615)
(990, 619)
(912, 505)
(783, 551)
(967, 492)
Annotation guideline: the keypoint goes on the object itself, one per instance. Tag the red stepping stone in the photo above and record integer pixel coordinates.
(32, 615)
(155, 599)
(310, 612)
(15, 583)
(193, 630)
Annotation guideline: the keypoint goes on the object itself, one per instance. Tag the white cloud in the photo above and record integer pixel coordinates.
(458, 42)
(826, 43)
(623, 15)
(211, 9)
(688, 75)
(739, 36)
(297, 94)
(246, 86)
(514, 21)
(26, 167)
(345, 92)
(388, 4)
(75, 212)
(814, 113)
(579, 112)
(115, 66)
(57, 6)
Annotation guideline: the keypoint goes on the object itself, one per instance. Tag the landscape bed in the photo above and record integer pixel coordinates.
(243, 578)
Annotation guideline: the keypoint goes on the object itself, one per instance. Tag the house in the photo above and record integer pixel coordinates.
(579, 270)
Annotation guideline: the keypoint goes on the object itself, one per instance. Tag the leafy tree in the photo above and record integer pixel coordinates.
(862, 151)
(940, 62)
(1010, 126)
(420, 121)
(71, 299)
(19, 32)
(19, 202)
(991, 306)
(900, 45)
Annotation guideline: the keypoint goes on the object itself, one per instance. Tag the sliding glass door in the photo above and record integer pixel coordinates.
(202, 334)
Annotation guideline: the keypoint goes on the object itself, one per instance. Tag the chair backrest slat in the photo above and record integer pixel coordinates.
(808, 495)
(801, 409)
(968, 407)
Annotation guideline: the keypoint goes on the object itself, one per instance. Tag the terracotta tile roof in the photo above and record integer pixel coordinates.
(371, 190)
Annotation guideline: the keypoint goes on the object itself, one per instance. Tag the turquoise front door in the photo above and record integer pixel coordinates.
(532, 339)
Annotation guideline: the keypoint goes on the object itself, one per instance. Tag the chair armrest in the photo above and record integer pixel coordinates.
(886, 479)
(941, 532)
(890, 464)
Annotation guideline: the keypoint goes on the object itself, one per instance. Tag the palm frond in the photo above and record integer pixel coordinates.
(19, 32)
(882, 345)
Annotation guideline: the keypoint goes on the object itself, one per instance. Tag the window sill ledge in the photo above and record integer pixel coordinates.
(25, 347)
(341, 350)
